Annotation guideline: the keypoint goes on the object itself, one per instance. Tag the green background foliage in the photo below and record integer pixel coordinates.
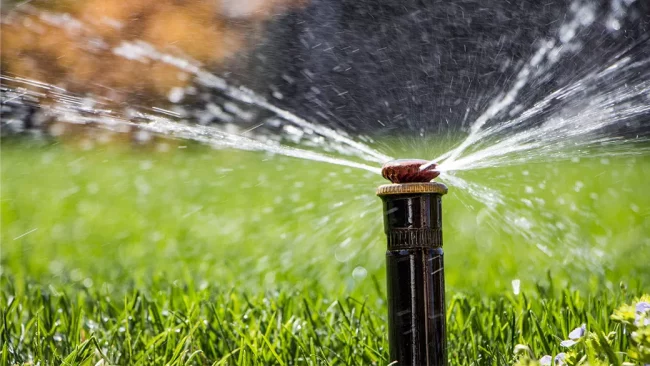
(202, 256)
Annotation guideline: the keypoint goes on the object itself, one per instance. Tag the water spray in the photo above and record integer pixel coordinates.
(414, 263)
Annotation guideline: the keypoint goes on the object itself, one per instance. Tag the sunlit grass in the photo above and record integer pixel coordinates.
(198, 256)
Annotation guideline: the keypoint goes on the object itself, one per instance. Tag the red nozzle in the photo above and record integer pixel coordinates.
(408, 171)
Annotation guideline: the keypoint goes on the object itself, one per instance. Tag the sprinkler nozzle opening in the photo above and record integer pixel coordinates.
(408, 171)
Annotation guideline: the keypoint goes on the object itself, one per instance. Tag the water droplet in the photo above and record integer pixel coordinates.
(515, 286)
(146, 165)
(527, 202)
(359, 273)
(76, 275)
(56, 267)
(176, 94)
(142, 136)
(91, 325)
(614, 24)
(544, 249)
(578, 186)
(344, 254)
(345, 242)
(92, 188)
(523, 223)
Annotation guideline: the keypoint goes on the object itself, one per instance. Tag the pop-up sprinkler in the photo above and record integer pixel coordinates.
(414, 263)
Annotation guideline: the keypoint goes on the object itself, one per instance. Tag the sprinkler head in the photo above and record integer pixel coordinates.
(408, 171)
(415, 277)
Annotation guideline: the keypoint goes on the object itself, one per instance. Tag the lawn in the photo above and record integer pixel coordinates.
(197, 256)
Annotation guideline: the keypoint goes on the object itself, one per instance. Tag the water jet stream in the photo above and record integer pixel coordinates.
(70, 109)
(139, 50)
(574, 119)
(73, 108)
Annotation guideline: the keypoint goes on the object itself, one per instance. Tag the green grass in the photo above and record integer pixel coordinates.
(199, 256)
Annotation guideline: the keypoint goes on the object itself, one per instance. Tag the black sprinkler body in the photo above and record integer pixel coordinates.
(414, 264)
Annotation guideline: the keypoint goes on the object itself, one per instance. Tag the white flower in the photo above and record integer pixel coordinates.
(578, 332)
(568, 343)
(546, 360)
(642, 310)
(574, 336)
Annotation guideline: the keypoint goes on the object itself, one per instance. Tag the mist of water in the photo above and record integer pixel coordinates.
(142, 51)
(83, 111)
(572, 120)
(593, 114)
(65, 107)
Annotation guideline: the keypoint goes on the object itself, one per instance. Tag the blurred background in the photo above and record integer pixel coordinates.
(405, 77)
(364, 66)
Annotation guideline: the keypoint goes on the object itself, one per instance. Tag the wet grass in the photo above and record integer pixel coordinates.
(196, 256)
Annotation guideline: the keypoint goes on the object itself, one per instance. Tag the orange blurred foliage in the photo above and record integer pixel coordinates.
(70, 43)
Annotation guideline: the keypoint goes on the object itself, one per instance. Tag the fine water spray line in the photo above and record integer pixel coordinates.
(414, 263)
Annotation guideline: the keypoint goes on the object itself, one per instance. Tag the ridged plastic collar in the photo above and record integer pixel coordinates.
(411, 188)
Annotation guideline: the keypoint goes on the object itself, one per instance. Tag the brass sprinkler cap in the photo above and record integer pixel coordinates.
(408, 171)
(407, 177)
